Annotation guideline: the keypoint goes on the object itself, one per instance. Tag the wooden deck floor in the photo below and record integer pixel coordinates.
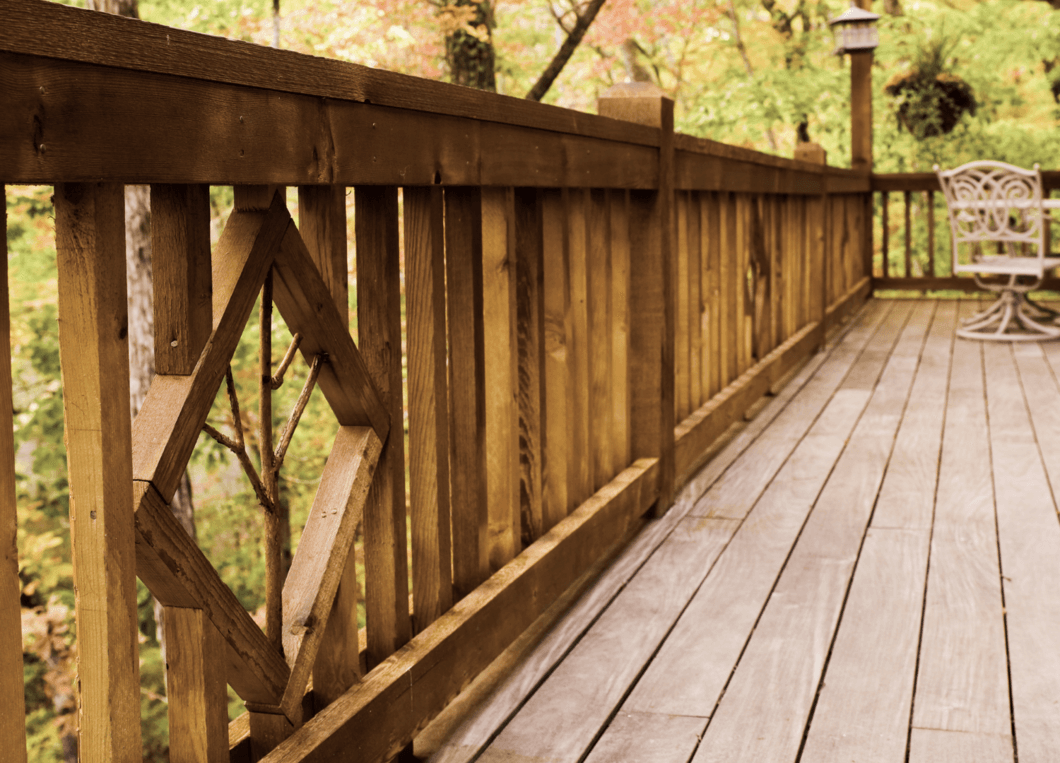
(868, 571)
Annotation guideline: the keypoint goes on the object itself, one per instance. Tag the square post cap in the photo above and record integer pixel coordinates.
(640, 102)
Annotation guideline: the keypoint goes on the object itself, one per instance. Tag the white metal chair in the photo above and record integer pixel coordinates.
(998, 204)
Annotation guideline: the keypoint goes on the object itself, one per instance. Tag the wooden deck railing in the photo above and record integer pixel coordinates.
(590, 303)
(912, 235)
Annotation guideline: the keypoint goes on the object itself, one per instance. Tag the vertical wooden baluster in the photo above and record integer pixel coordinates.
(727, 287)
(885, 234)
(379, 330)
(682, 339)
(467, 396)
(744, 301)
(432, 562)
(183, 320)
(695, 301)
(598, 286)
(931, 233)
(710, 230)
(907, 197)
(322, 224)
(94, 353)
(501, 375)
(530, 309)
(13, 717)
(577, 236)
(620, 319)
(558, 456)
(195, 683)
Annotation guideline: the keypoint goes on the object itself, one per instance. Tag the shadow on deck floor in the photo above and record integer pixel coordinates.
(868, 570)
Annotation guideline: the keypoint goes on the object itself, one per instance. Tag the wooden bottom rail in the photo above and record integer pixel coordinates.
(378, 717)
(944, 283)
(694, 435)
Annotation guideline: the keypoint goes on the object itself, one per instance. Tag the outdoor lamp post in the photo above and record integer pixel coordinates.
(856, 34)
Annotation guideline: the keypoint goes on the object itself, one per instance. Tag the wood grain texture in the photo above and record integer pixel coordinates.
(306, 304)
(621, 306)
(380, 716)
(530, 313)
(480, 728)
(1028, 535)
(863, 709)
(710, 232)
(432, 565)
(600, 337)
(318, 564)
(133, 44)
(196, 687)
(13, 719)
(647, 737)
(577, 207)
(744, 481)
(501, 374)
(93, 350)
(467, 401)
(322, 224)
(386, 592)
(180, 271)
(168, 424)
(158, 128)
(570, 703)
(778, 676)
(907, 497)
(935, 746)
(178, 574)
(682, 336)
(695, 302)
(707, 641)
(558, 453)
(962, 683)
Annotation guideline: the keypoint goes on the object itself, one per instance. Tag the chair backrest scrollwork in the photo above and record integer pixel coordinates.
(992, 201)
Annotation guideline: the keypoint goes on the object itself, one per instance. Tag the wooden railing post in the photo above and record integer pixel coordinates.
(13, 715)
(815, 154)
(94, 354)
(652, 288)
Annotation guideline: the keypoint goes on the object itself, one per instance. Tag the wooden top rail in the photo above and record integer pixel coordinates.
(96, 97)
(927, 181)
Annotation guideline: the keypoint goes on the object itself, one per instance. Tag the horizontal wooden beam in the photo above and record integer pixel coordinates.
(376, 718)
(51, 30)
(63, 120)
(694, 435)
(944, 283)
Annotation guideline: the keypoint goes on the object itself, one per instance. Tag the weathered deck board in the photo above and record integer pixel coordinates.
(962, 684)
(1029, 536)
(712, 633)
(855, 718)
(571, 704)
(887, 557)
(768, 700)
(476, 730)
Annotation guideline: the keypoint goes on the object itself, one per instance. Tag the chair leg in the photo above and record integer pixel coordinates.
(1008, 312)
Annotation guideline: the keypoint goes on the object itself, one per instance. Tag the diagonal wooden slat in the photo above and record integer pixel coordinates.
(168, 425)
(322, 552)
(306, 304)
(179, 575)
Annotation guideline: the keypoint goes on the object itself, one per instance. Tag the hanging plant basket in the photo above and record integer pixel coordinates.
(929, 103)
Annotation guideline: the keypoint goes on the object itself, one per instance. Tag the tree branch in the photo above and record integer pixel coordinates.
(566, 50)
(747, 62)
(296, 414)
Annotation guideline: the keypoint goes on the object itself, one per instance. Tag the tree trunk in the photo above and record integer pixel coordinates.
(471, 58)
(566, 50)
